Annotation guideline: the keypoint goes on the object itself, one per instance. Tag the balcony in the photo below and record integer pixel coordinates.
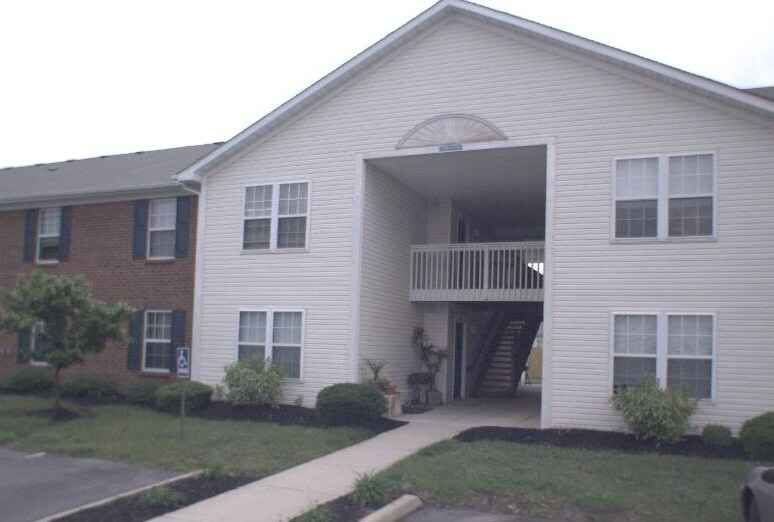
(478, 272)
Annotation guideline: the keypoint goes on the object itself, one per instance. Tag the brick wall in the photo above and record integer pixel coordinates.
(101, 251)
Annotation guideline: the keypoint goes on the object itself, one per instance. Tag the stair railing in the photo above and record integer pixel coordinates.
(487, 350)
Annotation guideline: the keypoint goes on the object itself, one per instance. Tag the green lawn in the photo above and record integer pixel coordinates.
(547, 481)
(140, 436)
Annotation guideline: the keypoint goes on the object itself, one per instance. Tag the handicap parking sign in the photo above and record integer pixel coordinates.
(182, 362)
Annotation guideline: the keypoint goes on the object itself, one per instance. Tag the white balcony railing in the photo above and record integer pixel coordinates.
(478, 272)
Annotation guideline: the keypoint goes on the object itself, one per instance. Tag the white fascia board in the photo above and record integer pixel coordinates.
(715, 90)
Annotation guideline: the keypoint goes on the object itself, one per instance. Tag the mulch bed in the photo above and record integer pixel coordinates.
(284, 414)
(689, 445)
(344, 509)
(54, 414)
(129, 509)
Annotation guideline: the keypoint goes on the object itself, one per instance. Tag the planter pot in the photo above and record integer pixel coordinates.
(391, 389)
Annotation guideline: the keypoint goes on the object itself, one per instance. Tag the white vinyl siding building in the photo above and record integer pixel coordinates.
(592, 116)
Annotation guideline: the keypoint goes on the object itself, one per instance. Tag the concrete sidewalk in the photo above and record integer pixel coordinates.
(290, 493)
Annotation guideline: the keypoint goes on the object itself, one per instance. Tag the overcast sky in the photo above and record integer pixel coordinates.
(88, 78)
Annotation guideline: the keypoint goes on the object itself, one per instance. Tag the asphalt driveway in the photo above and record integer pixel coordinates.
(37, 485)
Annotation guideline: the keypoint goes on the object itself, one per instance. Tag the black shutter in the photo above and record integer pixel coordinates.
(30, 226)
(135, 340)
(178, 337)
(65, 225)
(182, 225)
(23, 357)
(140, 228)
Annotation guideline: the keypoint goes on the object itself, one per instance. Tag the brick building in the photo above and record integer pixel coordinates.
(125, 225)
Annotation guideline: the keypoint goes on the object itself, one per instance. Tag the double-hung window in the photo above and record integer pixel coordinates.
(665, 196)
(677, 349)
(275, 335)
(157, 346)
(49, 235)
(275, 216)
(162, 220)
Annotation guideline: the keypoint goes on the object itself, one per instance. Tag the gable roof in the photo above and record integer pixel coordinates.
(716, 91)
(122, 173)
(764, 92)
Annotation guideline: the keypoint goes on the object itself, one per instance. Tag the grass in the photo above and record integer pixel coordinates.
(546, 481)
(140, 436)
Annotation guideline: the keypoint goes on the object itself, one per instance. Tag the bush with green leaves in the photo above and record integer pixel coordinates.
(143, 391)
(89, 386)
(318, 514)
(717, 436)
(197, 396)
(254, 381)
(30, 380)
(371, 490)
(350, 404)
(161, 497)
(757, 436)
(652, 413)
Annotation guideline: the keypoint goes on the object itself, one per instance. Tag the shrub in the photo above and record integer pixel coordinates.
(89, 386)
(161, 497)
(717, 436)
(29, 380)
(653, 413)
(254, 381)
(215, 472)
(757, 436)
(351, 404)
(143, 391)
(197, 396)
(371, 490)
(318, 514)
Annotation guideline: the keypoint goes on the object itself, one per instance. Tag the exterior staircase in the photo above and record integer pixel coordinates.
(504, 357)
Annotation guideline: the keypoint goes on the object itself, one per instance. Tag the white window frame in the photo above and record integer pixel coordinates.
(662, 346)
(39, 235)
(662, 200)
(146, 340)
(269, 344)
(40, 325)
(275, 217)
(151, 230)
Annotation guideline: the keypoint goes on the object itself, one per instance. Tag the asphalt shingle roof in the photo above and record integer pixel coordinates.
(105, 174)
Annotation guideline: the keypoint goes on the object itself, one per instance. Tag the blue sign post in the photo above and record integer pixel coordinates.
(183, 360)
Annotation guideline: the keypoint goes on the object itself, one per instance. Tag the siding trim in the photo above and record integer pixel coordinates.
(357, 269)
(548, 288)
(196, 332)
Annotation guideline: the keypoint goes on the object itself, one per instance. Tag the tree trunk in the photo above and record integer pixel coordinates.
(57, 395)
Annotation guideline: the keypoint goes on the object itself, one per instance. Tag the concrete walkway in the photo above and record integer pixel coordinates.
(291, 492)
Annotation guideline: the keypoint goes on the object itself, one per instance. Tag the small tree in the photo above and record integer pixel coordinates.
(73, 323)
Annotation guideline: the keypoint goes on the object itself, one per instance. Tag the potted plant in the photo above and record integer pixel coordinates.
(432, 357)
(376, 366)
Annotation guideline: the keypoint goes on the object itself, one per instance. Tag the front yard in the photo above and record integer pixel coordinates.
(571, 484)
(140, 436)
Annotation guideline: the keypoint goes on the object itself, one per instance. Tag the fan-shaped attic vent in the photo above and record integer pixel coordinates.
(450, 130)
